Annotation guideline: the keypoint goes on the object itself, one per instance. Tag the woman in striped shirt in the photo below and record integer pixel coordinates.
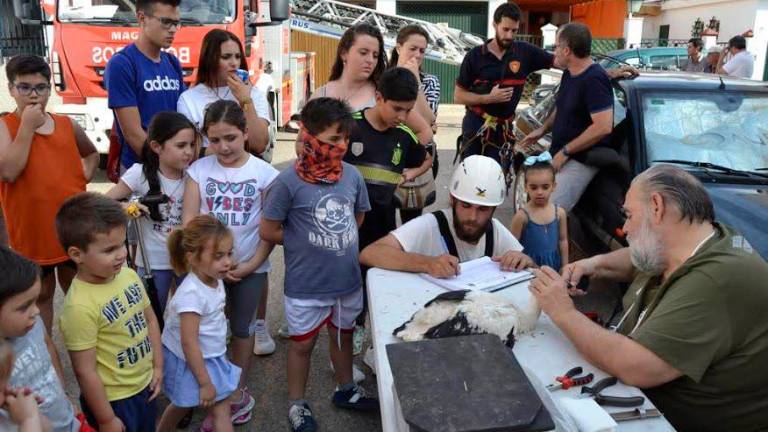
(409, 53)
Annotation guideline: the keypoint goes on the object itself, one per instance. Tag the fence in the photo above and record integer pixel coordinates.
(649, 43)
(325, 52)
(602, 45)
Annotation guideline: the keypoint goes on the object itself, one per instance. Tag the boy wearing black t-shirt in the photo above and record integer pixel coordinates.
(386, 152)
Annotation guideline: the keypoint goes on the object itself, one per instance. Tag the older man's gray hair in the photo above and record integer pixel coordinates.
(679, 188)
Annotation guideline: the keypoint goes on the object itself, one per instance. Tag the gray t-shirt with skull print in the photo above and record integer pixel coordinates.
(320, 232)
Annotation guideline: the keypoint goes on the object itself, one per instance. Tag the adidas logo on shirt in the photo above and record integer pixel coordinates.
(159, 84)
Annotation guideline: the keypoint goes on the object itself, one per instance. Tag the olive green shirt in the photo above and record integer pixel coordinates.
(708, 320)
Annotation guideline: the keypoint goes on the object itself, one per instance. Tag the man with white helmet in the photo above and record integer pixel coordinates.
(436, 243)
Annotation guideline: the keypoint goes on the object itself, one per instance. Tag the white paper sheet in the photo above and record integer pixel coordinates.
(480, 274)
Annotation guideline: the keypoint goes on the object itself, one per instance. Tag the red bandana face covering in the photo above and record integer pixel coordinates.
(319, 162)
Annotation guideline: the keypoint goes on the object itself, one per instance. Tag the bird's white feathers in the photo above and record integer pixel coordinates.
(485, 313)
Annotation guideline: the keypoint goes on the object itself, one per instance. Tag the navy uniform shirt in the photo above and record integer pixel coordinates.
(381, 156)
(481, 70)
(577, 99)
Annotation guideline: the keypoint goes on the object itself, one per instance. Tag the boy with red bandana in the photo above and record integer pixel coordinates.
(314, 208)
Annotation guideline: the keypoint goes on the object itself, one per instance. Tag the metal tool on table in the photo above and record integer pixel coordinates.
(635, 414)
(152, 202)
(616, 401)
(572, 378)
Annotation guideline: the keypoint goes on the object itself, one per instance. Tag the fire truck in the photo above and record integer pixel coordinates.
(85, 34)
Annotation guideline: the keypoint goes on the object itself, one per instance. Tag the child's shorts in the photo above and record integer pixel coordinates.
(305, 317)
(180, 385)
(243, 299)
(137, 412)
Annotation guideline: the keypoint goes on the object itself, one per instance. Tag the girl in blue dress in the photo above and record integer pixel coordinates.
(541, 226)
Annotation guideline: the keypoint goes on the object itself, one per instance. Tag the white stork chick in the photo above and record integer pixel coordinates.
(457, 313)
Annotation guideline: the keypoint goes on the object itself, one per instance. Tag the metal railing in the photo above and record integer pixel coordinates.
(531, 39)
(604, 45)
(650, 43)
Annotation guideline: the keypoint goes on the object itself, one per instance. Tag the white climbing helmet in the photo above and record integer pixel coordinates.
(479, 180)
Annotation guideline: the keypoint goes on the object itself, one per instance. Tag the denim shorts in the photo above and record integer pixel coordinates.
(243, 300)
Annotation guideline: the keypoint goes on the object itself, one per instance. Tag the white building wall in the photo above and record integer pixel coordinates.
(387, 6)
(758, 46)
(651, 27)
(492, 5)
(736, 16)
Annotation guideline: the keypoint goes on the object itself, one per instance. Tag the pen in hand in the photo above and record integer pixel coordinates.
(455, 265)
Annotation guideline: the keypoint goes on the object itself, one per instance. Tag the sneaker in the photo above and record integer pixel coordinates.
(370, 359)
(357, 374)
(283, 332)
(300, 419)
(207, 425)
(241, 411)
(355, 399)
(358, 339)
(263, 343)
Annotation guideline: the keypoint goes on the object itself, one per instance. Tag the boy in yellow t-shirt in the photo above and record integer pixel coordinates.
(107, 322)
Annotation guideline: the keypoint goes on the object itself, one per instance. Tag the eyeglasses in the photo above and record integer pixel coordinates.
(26, 89)
(167, 23)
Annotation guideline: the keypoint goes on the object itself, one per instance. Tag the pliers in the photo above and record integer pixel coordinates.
(570, 379)
(617, 401)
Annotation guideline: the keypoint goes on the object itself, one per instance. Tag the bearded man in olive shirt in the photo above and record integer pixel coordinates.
(693, 334)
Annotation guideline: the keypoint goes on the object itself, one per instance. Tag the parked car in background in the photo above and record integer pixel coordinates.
(714, 127)
(656, 58)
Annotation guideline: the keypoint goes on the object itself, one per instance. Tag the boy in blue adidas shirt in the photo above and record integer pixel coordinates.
(142, 80)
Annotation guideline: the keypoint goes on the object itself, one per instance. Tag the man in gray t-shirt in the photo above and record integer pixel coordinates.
(697, 62)
(33, 368)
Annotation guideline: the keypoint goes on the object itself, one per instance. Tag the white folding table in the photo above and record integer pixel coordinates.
(393, 297)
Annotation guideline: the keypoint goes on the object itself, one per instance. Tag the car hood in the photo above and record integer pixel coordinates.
(745, 208)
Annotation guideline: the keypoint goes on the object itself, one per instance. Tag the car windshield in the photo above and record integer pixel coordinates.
(123, 12)
(727, 128)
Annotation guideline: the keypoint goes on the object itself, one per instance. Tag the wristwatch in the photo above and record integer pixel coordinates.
(565, 151)
(245, 104)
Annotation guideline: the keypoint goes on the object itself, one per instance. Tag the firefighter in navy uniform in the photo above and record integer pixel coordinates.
(490, 84)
